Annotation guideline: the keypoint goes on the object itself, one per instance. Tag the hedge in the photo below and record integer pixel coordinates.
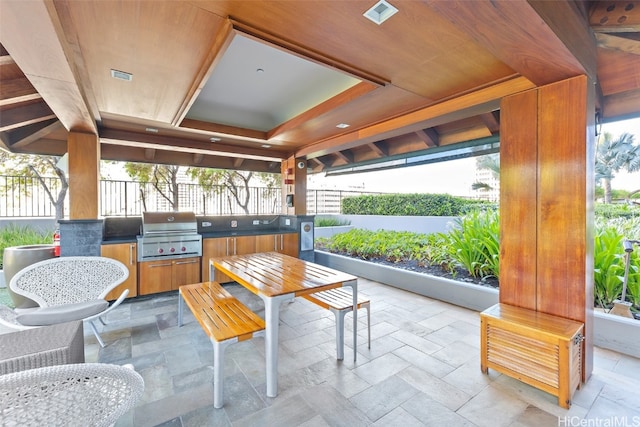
(409, 205)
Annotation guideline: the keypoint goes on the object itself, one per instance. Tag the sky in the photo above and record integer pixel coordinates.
(453, 177)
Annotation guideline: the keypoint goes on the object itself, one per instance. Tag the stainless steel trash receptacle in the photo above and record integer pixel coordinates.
(15, 258)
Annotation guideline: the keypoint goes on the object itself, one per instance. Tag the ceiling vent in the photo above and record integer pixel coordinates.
(380, 12)
(121, 75)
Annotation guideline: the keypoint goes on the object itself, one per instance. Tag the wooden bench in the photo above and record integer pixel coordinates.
(539, 349)
(340, 302)
(224, 319)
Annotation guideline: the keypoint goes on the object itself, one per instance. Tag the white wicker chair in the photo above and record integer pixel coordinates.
(66, 288)
(83, 394)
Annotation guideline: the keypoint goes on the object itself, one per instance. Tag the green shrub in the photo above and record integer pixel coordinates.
(392, 246)
(609, 211)
(608, 266)
(475, 243)
(16, 235)
(409, 205)
(330, 222)
(633, 281)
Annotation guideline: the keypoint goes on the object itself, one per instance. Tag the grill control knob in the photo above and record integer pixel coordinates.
(172, 250)
(183, 249)
(160, 250)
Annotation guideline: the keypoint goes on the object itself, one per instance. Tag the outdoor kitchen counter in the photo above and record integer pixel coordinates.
(262, 232)
(127, 229)
(210, 235)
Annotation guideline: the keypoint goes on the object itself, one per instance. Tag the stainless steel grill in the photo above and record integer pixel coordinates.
(168, 235)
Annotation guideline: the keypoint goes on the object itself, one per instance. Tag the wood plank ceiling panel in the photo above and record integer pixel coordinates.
(131, 37)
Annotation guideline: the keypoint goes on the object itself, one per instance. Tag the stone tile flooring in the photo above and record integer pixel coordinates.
(422, 369)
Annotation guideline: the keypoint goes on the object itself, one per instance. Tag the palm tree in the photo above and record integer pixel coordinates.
(613, 155)
(490, 162)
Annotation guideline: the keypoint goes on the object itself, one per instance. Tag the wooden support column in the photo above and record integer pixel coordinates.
(294, 182)
(84, 175)
(547, 152)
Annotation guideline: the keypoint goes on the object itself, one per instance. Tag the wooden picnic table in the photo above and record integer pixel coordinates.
(276, 278)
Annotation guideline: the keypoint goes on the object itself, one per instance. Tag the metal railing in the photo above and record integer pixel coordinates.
(25, 197)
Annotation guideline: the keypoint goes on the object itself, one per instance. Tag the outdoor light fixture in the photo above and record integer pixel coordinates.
(380, 12)
(121, 75)
(342, 125)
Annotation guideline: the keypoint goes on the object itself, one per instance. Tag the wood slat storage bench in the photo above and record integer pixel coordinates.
(224, 319)
(539, 349)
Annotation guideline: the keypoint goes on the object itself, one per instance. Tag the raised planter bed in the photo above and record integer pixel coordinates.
(459, 293)
(610, 331)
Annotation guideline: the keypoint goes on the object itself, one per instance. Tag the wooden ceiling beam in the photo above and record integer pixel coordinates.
(621, 105)
(224, 130)
(545, 41)
(149, 153)
(237, 162)
(429, 136)
(342, 98)
(617, 16)
(45, 59)
(491, 121)
(186, 145)
(197, 158)
(17, 90)
(24, 115)
(464, 106)
(620, 44)
(220, 43)
(345, 156)
(379, 148)
(26, 135)
(136, 154)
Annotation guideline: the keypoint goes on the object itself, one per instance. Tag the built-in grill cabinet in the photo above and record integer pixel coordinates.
(169, 251)
(536, 348)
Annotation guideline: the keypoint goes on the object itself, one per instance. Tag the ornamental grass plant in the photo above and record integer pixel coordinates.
(19, 235)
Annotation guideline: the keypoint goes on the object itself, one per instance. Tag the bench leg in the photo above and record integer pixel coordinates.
(339, 314)
(368, 322)
(218, 371)
(180, 308)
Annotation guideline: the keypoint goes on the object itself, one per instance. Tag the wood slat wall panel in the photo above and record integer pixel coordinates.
(518, 170)
(562, 182)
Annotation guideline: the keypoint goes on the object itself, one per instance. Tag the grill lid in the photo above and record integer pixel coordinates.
(158, 223)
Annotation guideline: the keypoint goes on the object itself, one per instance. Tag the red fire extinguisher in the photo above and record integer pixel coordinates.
(56, 243)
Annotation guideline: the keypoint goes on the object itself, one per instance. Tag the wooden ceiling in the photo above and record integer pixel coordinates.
(432, 76)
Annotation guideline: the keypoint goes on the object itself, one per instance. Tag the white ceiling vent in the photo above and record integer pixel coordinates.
(380, 12)
(121, 75)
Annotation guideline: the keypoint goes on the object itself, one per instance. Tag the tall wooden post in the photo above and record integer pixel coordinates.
(294, 186)
(547, 148)
(84, 175)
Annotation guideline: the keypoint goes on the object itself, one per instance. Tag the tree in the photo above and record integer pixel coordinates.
(490, 162)
(39, 168)
(236, 182)
(164, 179)
(613, 155)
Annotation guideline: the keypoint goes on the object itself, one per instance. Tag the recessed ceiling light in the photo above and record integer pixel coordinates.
(214, 139)
(342, 125)
(380, 12)
(152, 130)
(265, 146)
(121, 75)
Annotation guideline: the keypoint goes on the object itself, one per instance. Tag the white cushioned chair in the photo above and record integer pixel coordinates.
(65, 289)
(80, 394)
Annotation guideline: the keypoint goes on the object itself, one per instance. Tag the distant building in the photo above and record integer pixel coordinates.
(492, 192)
